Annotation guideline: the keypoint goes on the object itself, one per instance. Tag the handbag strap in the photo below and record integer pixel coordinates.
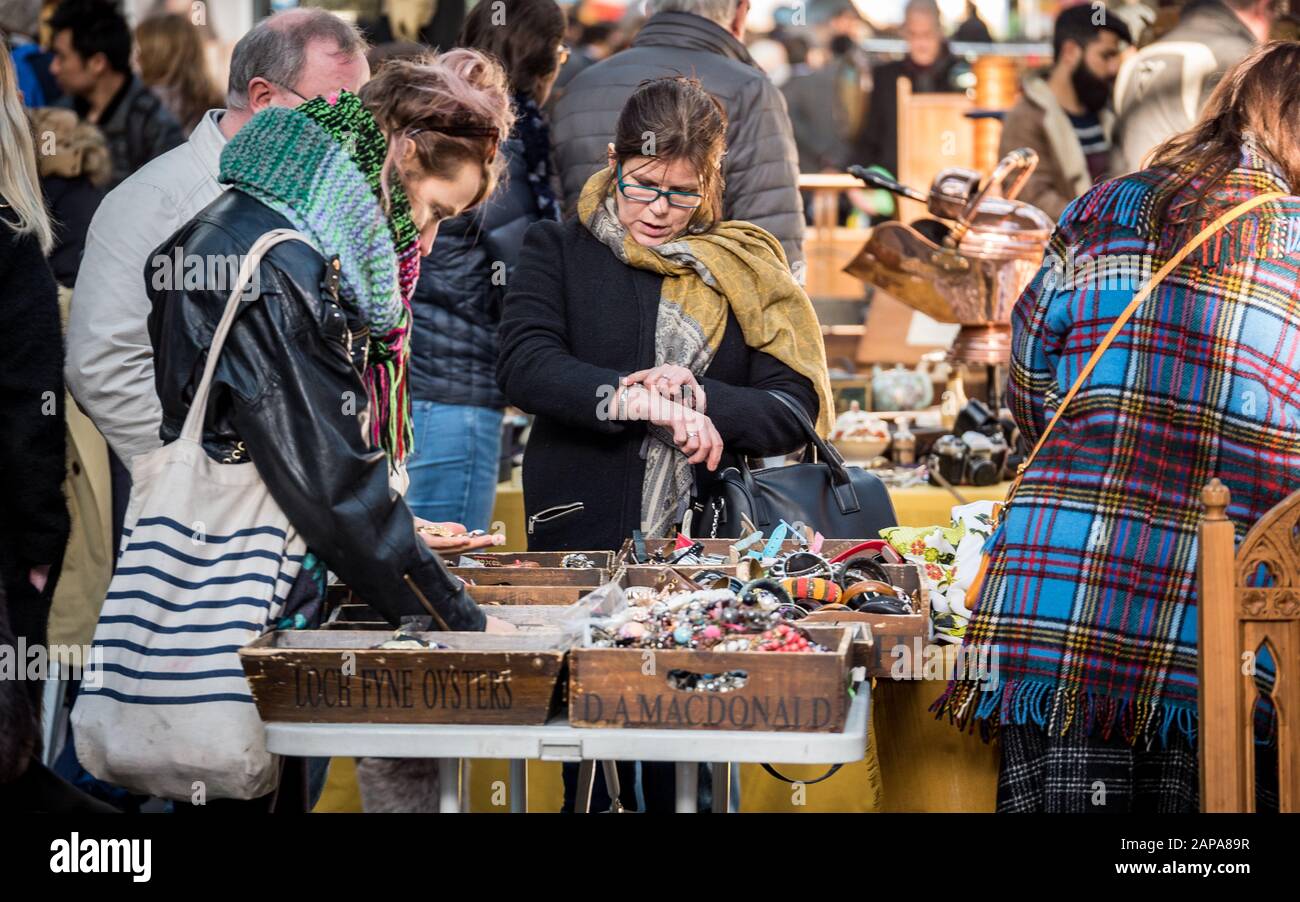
(1132, 308)
(846, 497)
(193, 428)
(828, 451)
(772, 771)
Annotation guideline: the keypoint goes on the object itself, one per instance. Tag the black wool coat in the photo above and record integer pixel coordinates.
(575, 320)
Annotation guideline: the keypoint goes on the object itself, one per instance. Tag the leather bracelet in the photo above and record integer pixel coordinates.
(865, 565)
(766, 584)
(812, 588)
(867, 587)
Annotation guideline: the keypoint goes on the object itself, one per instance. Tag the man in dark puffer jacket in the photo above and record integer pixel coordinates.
(701, 39)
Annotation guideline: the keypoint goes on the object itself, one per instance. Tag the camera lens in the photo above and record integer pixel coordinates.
(982, 472)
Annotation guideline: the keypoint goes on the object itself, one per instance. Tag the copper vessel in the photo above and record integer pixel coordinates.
(971, 262)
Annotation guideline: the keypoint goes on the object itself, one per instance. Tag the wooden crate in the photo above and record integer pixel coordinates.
(497, 595)
(602, 559)
(526, 617)
(337, 676)
(528, 595)
(711, 546)
(529, 576)
(785, 691)
(894, 637)
(658, 576)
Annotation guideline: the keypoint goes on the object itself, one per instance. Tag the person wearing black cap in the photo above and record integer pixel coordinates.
(1065, 115)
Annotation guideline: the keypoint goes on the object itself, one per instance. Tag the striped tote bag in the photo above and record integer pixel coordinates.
(206, 562)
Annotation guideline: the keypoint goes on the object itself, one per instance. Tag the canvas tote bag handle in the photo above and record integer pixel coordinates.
(193, 428)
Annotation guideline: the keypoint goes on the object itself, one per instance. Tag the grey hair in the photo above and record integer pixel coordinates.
(20, 17)
(276, 49)
(719, 11)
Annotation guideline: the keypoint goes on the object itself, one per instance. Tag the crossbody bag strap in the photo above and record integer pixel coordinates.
(1132, 308)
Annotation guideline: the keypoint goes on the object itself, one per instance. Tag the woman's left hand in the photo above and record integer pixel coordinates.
(453, 538)
(669, 381)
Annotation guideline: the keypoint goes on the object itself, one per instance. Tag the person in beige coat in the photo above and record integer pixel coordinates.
(1065, 116)
(73, 166)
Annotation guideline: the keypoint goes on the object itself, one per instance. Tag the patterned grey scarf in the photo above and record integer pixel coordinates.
(679, 340)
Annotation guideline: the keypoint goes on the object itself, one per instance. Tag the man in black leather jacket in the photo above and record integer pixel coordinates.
(288, 395)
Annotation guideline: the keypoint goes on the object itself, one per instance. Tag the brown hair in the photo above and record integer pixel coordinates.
(1260, 96)
(674, 118)
(172, 57)
(454, 107)
(526, 41)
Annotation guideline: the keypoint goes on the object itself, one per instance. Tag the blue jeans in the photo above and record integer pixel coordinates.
(453, 468)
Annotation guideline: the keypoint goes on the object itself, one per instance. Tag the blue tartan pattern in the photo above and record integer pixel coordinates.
(1090, 596)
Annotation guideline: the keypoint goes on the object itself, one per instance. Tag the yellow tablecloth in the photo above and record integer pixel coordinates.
(925, 505)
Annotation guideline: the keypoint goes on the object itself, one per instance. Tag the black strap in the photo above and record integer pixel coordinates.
(784, 779)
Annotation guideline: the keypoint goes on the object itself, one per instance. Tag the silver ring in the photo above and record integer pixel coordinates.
(692, 435)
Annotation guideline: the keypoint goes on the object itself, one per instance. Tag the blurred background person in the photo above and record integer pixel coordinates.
(92, 62)
(174, 65)
(73, 172)
(701, 38)
(588, 45)
(973, 29)
(433, 23)
(929, 65)
(456, 406)
(827, 102)
(20, 25)
(1163, 88)
(1065, 117)
(770, 55)
(74, 168)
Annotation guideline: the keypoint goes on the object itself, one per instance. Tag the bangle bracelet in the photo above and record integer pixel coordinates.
(811, 589)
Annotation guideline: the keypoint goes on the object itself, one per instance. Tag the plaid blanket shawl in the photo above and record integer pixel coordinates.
(1090, 599)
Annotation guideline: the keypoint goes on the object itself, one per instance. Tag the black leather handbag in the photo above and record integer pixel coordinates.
(839, 501)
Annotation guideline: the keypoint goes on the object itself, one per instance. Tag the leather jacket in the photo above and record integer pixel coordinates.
(288, 396)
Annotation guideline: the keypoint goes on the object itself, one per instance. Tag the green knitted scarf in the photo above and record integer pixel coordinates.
(320, 166)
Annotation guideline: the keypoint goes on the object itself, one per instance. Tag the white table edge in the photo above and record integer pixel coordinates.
(561, 742)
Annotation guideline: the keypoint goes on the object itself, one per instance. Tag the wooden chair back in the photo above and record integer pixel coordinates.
(1248, 603)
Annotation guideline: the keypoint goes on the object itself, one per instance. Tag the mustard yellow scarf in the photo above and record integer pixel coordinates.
(735, 266)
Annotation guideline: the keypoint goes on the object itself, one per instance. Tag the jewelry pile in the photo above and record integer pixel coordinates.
(708, 620)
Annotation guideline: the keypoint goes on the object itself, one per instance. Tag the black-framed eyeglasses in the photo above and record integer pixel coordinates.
(644, 194)
(291, 91)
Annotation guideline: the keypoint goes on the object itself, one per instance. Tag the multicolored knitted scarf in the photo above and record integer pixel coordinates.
(320, 165)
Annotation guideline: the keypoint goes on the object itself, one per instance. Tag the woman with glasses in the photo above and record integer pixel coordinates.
(646, 336)
(456, 407)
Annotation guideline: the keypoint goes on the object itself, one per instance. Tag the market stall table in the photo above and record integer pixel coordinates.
(557, 741)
